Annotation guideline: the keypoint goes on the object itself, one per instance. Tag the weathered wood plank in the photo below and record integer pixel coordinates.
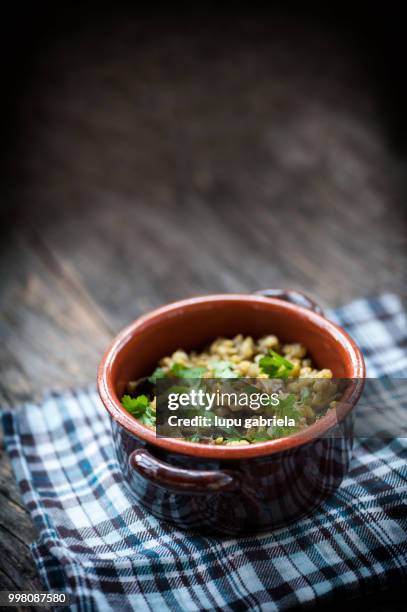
(17, 571)
(51, 333)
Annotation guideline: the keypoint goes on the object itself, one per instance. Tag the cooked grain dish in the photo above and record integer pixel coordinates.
(306, 391)
(243, 355)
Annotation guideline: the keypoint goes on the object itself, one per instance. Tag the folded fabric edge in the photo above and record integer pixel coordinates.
(77, 582)
(12, 445)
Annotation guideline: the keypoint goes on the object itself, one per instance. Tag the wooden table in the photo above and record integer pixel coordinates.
(149, 168)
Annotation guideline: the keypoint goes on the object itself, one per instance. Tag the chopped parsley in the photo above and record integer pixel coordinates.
(220, 368)
(223, 369)
(275, 366)
(258, 436)
(158, 373)
(287, 406)
(140, 408)
(180, 371)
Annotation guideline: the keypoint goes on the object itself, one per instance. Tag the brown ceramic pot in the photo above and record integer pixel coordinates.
(231, 489)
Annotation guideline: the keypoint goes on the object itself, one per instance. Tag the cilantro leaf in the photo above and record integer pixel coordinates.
(258, 436)
(140, 408)
(287, 407)
(223, 369)
(275, 366)
(282, 432)
(158, 373)
(148, 417)
(194, 438)
(136, 406)
(180, 371)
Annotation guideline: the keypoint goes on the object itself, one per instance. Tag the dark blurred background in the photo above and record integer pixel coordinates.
(152, 154)
(149, 154)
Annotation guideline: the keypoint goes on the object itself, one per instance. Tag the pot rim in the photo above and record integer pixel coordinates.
(356, 367)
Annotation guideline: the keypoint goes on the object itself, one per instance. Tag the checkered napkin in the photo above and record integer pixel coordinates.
(96, 543)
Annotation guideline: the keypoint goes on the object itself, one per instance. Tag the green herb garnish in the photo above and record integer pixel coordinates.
(140, 408)
(158, 373)
(180, 371)
(287, 407)
(149, 417)
(194, 438)
(135, 405)
(258, 436)
(223, 369)
(275, 366)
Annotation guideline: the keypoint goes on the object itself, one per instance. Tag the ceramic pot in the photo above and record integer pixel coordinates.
(231, 489)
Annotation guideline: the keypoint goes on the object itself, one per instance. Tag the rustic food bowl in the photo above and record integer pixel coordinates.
(231, 489)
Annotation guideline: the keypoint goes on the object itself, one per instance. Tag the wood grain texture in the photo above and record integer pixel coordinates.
(155, 163)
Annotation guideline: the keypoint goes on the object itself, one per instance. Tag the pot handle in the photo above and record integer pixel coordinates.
(293, 296)
(177, 479)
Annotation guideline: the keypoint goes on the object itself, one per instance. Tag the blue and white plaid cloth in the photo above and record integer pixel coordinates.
(96, 543)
